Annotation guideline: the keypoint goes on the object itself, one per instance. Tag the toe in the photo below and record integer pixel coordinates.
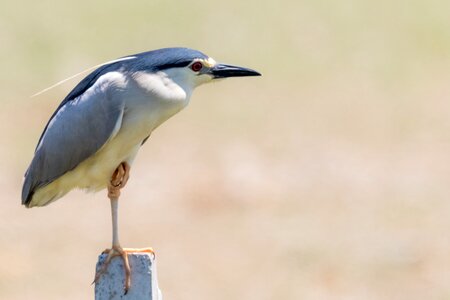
(116, 178)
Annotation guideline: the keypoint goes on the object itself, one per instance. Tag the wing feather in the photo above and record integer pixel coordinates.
(77, 130)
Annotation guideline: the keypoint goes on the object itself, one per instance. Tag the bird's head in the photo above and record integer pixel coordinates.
(187, 67)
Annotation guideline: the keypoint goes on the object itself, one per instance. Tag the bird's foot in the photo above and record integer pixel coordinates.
(118, 180)
(113, 252)
(123, 253)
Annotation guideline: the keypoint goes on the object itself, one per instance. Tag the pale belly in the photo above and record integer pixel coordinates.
(94, 173)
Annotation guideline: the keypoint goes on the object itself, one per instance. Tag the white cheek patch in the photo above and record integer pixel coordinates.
(209, 62)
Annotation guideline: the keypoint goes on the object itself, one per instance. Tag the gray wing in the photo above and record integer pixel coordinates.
(77, 130)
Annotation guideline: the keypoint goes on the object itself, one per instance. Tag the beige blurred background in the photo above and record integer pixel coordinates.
(327, 178)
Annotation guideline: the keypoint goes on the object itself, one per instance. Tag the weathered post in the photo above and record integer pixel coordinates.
(144, 283)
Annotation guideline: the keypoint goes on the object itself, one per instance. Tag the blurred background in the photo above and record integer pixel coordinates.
(327, 178)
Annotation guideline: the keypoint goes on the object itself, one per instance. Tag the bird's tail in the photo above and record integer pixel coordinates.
(34, 196)
(27, 191)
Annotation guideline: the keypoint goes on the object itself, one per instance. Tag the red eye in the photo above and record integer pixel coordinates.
(197, 66)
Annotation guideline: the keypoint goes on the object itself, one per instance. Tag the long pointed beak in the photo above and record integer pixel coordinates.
(224, 71)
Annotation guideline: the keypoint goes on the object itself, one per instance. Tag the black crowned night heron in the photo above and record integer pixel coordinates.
(94, 135)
